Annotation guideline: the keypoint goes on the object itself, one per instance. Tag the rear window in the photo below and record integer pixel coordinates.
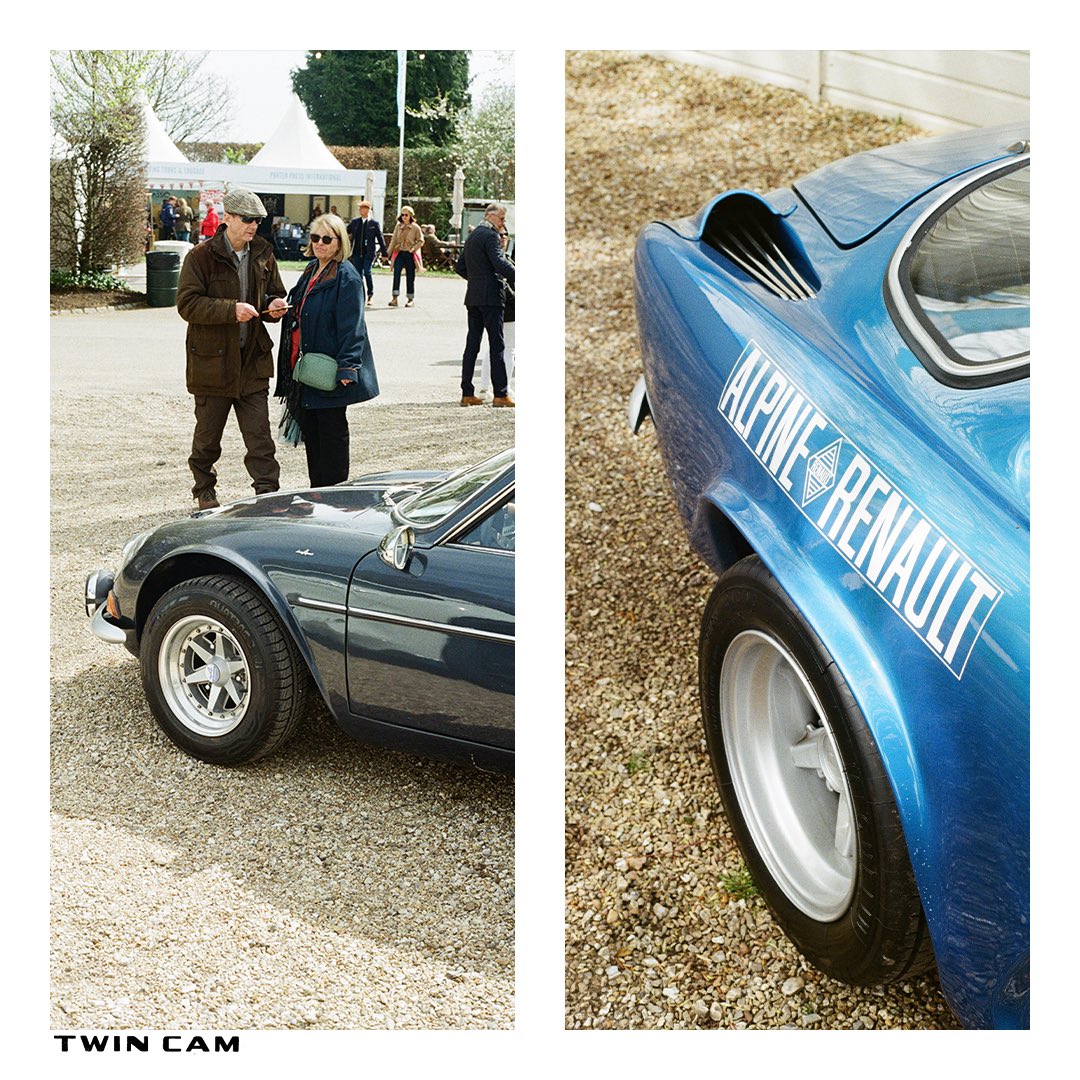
(961, 282)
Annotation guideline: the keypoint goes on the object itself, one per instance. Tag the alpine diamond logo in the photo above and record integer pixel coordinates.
(821, 471)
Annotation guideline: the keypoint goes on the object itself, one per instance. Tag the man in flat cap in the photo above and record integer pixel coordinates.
(229, 287)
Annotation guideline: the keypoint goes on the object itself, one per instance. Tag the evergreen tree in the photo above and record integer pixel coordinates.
(351, 95)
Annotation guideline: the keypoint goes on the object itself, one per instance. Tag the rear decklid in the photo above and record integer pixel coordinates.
(856, 196)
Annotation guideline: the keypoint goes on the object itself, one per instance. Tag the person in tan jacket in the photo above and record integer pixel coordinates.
(228, 287)
(405, 244)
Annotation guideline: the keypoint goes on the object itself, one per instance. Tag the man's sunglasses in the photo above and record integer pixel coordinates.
(317, 239)
(251, 220)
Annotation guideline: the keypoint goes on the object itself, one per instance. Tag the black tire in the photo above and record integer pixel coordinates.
(847, 899)
(259, 687)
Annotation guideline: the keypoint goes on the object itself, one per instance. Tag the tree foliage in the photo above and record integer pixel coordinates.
(98, 184)
(485, 145)
(351, 95)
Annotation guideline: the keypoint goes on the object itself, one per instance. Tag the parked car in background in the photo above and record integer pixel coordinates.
(392, 596)
(838, 377)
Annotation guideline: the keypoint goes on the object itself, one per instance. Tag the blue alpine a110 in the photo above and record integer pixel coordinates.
(391, 596)
(838, 374)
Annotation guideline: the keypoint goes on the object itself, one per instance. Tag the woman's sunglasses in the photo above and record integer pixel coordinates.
(317, 239)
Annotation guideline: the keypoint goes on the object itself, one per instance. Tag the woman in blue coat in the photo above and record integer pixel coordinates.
(326, 315)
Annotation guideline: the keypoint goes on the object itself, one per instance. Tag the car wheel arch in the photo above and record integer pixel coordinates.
(722, 534)
(184, 566)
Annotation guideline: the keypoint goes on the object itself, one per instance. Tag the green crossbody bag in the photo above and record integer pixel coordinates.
(316, 369)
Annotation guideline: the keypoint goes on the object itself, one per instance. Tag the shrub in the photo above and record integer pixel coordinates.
(98, 280)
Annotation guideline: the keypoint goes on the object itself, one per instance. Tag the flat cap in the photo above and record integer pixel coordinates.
(243, 202)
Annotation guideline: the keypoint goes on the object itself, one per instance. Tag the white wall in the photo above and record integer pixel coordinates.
(945, 90)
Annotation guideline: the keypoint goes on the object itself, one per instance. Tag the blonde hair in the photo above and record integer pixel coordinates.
(325, 223)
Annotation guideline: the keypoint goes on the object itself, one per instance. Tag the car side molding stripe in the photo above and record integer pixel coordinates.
(401, 620)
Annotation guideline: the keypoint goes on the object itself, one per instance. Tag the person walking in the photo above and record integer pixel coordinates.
(366, 236)
(227, 287)
(326, 316)
(405, 244)
(485, 267)
(183, 219)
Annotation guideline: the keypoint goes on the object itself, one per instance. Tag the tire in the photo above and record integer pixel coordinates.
(219, 626)
(804, 788)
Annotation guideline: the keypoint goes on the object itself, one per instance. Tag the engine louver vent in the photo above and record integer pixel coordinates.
(748, 233)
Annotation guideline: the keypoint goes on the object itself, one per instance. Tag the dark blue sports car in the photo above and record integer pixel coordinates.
(838, 376)
(391, 595)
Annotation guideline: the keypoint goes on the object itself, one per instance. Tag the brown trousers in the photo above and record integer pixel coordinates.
(253, 417)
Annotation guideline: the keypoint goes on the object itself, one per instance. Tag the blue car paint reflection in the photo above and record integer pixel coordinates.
(953, 733)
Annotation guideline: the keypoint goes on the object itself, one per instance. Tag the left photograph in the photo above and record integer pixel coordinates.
(283, 539)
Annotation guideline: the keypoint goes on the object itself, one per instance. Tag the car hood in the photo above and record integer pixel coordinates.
(328, 505)
(856, 196)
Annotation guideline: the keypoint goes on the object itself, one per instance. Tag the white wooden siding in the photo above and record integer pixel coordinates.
(944, 90)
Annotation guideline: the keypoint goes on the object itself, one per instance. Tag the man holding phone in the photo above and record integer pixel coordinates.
(227, 288)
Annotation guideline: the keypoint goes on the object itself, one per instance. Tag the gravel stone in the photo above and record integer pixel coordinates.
(648, 139)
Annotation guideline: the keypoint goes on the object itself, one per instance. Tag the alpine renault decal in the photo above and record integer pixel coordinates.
(924, 577)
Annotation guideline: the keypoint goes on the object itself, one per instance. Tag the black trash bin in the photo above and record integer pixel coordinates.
(162, 278)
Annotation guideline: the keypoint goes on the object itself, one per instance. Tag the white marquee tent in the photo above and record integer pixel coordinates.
(294, 161)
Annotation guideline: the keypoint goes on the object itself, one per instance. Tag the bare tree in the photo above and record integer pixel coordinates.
(189, 105)
(98, 205)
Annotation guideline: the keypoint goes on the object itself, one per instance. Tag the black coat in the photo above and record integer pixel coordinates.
(485, 267)
(365, 235)
(331, 322)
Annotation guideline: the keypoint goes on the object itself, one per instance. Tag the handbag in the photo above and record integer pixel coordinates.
(317, 370)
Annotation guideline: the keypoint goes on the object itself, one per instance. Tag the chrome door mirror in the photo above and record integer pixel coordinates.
(396, 546)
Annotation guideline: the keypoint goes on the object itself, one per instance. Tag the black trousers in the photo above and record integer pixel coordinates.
(489, 318)
(404, 260)
(326, 442)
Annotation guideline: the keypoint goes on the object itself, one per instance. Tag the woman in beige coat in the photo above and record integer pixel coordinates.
(405, 245)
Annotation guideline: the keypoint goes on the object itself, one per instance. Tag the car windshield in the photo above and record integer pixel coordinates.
(435, 503)
(970, 274)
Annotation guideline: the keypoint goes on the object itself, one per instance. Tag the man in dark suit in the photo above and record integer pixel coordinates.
(365, 235)
(485, 267)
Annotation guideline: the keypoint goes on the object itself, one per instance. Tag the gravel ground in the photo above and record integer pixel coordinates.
(662, 928)
(332, 885)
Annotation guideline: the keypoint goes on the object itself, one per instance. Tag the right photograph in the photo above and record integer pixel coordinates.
(797, 540)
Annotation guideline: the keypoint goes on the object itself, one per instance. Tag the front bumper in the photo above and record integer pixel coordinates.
(95, 599)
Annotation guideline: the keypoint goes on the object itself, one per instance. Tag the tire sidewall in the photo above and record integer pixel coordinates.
(245, 740)
(849, 946)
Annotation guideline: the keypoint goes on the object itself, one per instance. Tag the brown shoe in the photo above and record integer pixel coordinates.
(393, 302)
(503, 402)
(468, 399)
(208, 499)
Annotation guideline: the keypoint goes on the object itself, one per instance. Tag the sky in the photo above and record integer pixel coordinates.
(262, 87)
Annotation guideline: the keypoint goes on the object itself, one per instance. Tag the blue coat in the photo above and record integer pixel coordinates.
(331, 322)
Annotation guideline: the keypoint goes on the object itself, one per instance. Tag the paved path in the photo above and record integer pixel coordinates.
(417, 350)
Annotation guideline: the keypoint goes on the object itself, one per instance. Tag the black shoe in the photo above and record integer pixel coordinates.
(208, 499)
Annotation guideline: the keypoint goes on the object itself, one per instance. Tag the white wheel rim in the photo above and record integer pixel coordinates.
(788, 776)
(204, 675)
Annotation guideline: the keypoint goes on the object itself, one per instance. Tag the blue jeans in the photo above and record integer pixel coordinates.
(404, 260)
